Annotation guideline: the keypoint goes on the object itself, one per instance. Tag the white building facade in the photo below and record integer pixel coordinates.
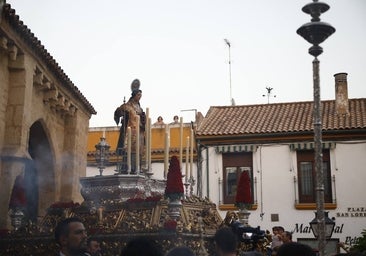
(274, 144)
(275, 176)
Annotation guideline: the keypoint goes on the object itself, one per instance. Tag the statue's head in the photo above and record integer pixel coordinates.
(135, 92)
(135, 88)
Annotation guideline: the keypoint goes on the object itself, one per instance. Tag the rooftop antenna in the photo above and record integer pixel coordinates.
(229, 46)
(269, 94)
(193, 109)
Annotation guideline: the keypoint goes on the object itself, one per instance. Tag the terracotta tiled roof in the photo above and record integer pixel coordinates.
(279, 118)
(34, 43)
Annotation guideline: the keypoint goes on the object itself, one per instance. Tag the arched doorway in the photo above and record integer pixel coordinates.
(39, 174)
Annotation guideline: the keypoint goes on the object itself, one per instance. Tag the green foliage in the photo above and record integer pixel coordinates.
(361, 243)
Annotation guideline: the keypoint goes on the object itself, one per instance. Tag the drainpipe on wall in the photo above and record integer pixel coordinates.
(261, 181)
(199, 170)
(207, 171)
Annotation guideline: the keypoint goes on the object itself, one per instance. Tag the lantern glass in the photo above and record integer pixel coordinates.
(102, 154)
(314, 226)
(329, 226)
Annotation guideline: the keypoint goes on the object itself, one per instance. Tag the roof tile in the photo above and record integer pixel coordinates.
(279, 118)
(34, 43)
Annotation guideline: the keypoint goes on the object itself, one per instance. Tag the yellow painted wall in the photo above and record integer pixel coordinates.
(157, 140)
(94, 138)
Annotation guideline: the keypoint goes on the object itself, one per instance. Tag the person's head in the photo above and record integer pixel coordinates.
(286, 237)
(295, 249)
(225, 241)
(181, 251)
(71, 235)
(175, 118)
(141, 246)
(93, 246)
(275, 230)
(160, 119)
(280, 229)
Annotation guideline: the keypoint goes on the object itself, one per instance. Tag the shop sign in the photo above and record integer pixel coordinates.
(352, 212)
(305, 228)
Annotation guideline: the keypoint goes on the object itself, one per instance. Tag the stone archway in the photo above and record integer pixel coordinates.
(40, 172)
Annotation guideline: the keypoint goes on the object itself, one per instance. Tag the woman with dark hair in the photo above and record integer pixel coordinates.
(159, 121)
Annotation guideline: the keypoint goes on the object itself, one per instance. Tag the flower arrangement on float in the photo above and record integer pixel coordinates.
(174, 192)
(18, 203)
(243, 198)
(174, 185)
(61, 208)
(64, 205)
(170, 225)
(18, 199)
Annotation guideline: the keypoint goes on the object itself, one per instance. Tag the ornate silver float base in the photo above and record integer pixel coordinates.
(174, 207)
(17, 217)
(243, 216)
(118, 187)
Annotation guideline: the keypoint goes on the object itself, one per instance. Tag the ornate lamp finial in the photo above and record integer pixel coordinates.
(316, 31)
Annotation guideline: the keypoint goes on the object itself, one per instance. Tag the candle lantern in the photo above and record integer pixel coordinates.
(102, 154)
(329, 226)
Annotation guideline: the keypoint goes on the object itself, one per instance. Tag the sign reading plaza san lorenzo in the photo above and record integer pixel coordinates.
(353, 212)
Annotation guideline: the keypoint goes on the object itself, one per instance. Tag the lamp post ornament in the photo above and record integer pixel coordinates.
(102, 154)
(316, 32)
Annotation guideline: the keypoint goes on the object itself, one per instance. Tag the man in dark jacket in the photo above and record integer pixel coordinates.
(70, 234)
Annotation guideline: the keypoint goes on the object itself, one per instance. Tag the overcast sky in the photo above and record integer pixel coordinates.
(177, 50)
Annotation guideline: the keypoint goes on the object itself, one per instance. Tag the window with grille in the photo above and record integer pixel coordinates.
(233, 165)
(307, 176)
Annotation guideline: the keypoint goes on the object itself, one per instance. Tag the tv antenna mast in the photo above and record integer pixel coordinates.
(269, 94)
(229, 46)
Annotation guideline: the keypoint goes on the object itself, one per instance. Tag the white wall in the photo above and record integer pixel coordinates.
(275, 167)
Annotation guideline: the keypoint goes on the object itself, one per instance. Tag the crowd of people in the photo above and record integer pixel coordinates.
(160, 121)
(72, 239)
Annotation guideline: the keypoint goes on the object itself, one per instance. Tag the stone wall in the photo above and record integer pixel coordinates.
(44, 122)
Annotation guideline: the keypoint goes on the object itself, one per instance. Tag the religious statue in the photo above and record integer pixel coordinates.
(127, 114)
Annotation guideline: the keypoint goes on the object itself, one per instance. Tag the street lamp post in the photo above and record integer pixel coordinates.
(316, 32)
